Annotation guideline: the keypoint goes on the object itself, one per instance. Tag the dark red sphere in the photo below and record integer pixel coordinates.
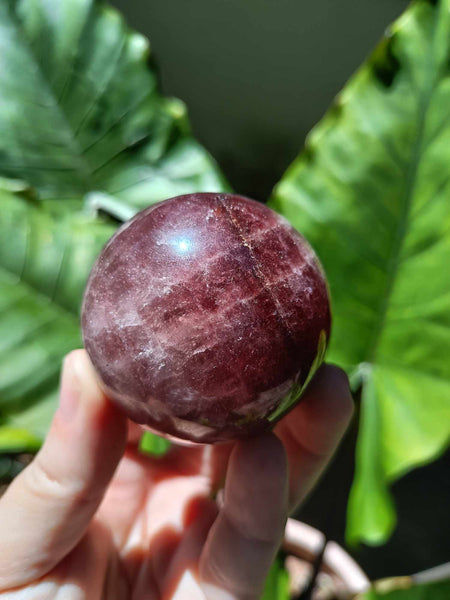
(205, 316)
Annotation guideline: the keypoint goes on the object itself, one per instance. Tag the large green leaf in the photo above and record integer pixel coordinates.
(371, 192)
(80, 108)
(82, 122)
(44, 264)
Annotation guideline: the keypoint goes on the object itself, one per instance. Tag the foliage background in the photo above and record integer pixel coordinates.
(252, 75)
(273, 69)
(257, 75)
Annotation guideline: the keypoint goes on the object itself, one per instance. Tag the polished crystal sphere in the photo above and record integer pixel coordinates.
(205, 316)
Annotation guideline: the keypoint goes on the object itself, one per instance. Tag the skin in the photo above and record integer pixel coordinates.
(91, 518)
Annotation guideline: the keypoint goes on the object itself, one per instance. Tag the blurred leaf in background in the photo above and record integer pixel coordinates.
(371, 192)
(81, 117)
(277, 582)
(154, 445)
(404, 588)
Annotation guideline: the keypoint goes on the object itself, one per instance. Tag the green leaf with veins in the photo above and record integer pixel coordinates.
(80, 108)
(44, 265)
(371, 192)
(82, 126)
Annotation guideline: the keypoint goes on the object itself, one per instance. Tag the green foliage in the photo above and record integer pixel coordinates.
(10, 467)
(371, 193)
(153, 444)
(399, 589)
(44, 263)
(83, 125)
(277, 582)
(81, 109)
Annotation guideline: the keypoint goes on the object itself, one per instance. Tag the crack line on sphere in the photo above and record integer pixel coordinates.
(258, 272)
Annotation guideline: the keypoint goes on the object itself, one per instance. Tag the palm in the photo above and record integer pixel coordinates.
(164, 504)
(150, 528)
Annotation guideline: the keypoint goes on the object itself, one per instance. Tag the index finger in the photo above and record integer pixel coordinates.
(48, 507)
(312, 431)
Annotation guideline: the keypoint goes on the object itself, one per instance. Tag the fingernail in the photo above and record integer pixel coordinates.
(70, 390)
(84, 370)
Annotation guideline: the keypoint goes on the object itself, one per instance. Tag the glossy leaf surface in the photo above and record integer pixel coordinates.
(371, 192)
(81, 109)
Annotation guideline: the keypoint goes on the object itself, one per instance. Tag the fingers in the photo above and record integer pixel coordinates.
(311, 432)
(178, 579)
(135, 433)
(245, 537)
(48, 507)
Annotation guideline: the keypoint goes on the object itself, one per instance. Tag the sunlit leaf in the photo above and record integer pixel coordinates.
(371, 192)
(84, 130)
(80, 108)
(44, 264)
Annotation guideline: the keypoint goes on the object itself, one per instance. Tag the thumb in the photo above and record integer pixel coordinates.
(47, 508)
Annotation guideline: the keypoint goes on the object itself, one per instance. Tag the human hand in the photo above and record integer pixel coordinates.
(91, 518)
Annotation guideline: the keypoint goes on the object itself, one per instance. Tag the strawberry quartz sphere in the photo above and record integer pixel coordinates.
(205, 316)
